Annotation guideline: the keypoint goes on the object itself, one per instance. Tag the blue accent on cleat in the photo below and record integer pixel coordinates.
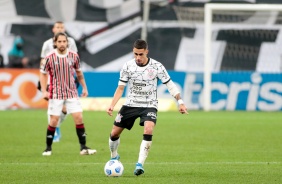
(116, 158)
(57, 135)
(139, 169)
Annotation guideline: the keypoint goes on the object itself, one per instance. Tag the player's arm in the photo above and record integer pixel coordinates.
(174, 91)
(43, 77)
(117, 96)
(81, 80)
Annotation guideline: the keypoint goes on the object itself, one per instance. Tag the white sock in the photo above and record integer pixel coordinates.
(144, 151)
(114, 147)
(62, 118)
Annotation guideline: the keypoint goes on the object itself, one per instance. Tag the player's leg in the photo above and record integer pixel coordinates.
(58, 133)
(114, 141)
(54, 109)
(149, 118)
(124, 119)
(75, 109)
(144, 147)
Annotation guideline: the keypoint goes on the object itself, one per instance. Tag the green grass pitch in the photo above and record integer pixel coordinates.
(202, 147)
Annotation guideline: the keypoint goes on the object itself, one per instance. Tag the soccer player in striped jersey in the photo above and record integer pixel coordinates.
(47, 47)
(141, 74)
(60, 64)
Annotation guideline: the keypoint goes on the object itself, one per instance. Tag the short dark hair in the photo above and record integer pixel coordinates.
(57, 36)
(58, 22)
(140, 44)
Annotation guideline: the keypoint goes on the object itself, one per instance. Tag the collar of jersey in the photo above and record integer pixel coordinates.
(61, 55)
(145, 64)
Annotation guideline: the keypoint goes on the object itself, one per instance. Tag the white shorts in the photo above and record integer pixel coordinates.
(55, 106)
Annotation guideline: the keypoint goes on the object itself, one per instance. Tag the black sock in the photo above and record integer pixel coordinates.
(147, 137)
(50, 136)
(80, 131)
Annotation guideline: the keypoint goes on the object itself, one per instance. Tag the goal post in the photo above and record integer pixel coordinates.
(209, 10)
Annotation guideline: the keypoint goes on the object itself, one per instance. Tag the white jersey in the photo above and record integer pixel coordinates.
(142, 82)
(48, 46)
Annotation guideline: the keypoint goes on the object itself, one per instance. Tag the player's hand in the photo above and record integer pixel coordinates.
(46, 95)
(84, 93)
(182, 109)
(110, 111)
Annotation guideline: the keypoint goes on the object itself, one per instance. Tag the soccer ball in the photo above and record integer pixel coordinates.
(113, 168)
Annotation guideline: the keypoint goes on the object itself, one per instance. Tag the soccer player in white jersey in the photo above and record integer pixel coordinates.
(60, 64)
(47, 47)
(141, 75)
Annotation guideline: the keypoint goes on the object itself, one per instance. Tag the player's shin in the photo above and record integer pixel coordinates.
(113, 145)
(50, 134)
(80, 131)
(145, 148)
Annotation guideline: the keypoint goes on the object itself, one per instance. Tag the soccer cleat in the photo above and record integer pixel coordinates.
(139, 169)
(116, 158)
(56, 139)
(47, 152)
(87, 151)
(57, 135)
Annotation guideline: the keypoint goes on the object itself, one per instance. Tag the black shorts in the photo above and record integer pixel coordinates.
(127, 116)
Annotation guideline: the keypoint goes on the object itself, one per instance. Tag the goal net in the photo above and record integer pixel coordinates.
(232, 38)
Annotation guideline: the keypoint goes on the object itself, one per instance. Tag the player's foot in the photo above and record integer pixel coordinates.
(56, 139)
(116, 158)
(47, 152)
(57, 135)
(139, 169)
(87, 151)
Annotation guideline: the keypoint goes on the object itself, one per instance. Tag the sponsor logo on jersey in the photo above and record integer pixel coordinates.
(139, 84)
(144, 93)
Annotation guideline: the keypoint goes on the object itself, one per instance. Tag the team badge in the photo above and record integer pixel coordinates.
(118, 118)
(150, 73)
(70, 61)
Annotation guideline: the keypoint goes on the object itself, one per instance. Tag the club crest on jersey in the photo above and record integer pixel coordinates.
(118, 118)
(70, 61)
(150, 73)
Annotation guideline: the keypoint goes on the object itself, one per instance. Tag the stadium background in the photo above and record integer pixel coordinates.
(101, 27)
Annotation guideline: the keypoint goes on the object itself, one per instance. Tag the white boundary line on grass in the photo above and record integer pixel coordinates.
(151, 163)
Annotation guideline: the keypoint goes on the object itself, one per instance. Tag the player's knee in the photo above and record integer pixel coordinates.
(149, 127)
(54, 121)
(77, 117)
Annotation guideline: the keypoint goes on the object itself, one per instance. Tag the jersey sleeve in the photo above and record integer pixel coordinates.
(45, 50)
(44, 66)
(72, 44)
(163, 74)
(76, 65)
(124, 75)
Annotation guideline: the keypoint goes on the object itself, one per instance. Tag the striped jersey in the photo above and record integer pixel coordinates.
(48, 46)
(61, 73)
(142, 82)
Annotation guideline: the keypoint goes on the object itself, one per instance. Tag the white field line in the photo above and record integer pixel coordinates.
(150, 163)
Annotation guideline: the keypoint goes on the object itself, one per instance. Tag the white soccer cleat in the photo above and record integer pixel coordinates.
(47, 152)
(87, 151)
